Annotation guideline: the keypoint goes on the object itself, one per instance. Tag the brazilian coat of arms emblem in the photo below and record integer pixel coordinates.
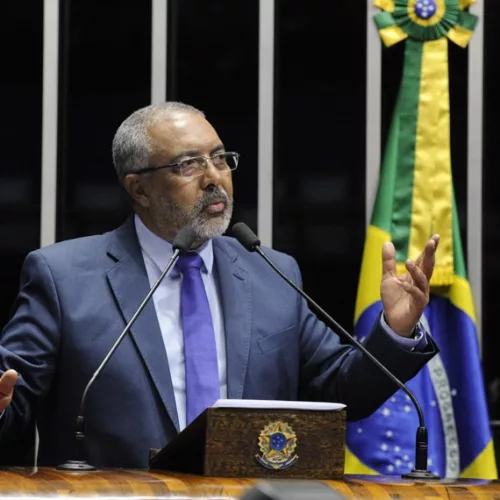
(277, 443)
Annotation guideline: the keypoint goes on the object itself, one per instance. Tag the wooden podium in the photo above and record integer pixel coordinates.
(17, 483)
(263, 443)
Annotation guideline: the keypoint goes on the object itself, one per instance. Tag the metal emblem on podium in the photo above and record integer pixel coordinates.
(277, 443)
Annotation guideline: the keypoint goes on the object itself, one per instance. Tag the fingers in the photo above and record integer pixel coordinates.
(436, 238)
(388, 260)
(420, 271)
(8, 382)
(429, 256)
(426, 259)
(419, 297)
(418, 276)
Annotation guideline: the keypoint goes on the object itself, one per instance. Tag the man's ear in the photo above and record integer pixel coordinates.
(136, 187)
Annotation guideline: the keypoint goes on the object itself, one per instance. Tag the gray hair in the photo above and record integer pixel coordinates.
(132, 145)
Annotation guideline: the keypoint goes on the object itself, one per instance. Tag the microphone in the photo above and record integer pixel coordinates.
(182, 243)
(251, 242)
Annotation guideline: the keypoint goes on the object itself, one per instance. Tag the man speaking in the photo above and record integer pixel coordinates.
(221, 325)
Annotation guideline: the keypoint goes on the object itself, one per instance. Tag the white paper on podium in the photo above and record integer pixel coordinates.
(277, 405)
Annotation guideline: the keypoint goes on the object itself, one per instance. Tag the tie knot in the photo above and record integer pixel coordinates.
(190, 260)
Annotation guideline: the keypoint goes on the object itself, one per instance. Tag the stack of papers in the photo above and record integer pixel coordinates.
(277, 405)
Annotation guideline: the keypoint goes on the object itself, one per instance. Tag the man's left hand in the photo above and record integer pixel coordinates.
(405, 296)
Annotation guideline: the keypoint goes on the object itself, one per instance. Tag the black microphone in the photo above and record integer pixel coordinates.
(182, 243)
(252, 243)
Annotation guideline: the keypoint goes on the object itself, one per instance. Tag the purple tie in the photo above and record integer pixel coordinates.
(200, 353)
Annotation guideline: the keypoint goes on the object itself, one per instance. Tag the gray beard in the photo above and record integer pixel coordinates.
(206, 226)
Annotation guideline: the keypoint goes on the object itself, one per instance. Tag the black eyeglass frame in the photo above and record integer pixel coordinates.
(233, 154)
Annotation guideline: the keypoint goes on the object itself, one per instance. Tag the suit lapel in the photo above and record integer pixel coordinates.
(236, 299)
(130, 285)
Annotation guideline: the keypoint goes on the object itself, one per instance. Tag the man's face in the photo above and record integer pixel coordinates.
(172, 201)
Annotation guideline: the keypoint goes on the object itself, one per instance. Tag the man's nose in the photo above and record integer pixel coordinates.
(211, 175)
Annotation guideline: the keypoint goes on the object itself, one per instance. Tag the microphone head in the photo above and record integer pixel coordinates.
(184, 239)
(245, 236)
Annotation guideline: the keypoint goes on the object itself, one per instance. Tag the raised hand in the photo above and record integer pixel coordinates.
(405, 296)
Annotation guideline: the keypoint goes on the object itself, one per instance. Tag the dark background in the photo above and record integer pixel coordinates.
(319, 171)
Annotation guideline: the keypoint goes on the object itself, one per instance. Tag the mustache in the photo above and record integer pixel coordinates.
(214, 196)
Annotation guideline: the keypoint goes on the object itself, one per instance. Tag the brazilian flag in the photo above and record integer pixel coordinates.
(415, 199)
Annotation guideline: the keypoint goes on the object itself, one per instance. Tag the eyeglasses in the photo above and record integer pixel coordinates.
(196, 166)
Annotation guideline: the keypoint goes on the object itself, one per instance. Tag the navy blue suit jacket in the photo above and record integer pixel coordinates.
(76, 297)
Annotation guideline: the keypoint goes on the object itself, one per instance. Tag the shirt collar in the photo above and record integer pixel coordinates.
(160, 251)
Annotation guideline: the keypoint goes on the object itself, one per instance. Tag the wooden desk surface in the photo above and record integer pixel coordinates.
(25, 483)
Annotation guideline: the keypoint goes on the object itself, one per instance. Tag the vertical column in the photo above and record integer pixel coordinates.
(49, 121)
(373, 109)
(266, 125)
(159, 9)
(475, 164)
